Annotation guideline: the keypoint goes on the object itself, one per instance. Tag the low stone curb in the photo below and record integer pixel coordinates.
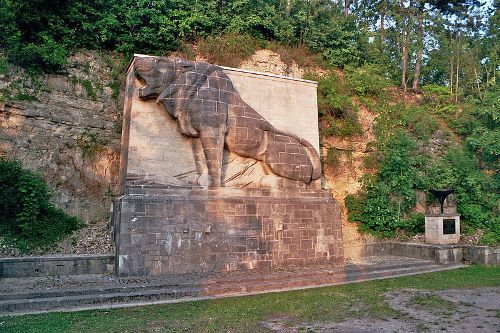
(441, 254)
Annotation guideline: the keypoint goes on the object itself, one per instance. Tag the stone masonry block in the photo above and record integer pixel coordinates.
(247, 231)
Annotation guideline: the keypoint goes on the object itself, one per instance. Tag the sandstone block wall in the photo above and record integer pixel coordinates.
(154, 150)
(287, 103)
(172, 231)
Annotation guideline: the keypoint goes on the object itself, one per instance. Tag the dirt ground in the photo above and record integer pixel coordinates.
(454, 310)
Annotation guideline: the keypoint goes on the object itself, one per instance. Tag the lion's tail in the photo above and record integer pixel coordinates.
(314, 156)
(310, 150)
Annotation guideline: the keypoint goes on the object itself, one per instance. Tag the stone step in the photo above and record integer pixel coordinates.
(134, 295)
(115, 285)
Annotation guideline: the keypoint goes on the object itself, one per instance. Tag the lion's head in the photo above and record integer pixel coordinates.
(155, 74)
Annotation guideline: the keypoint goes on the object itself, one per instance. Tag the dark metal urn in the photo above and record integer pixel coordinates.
(441, 195)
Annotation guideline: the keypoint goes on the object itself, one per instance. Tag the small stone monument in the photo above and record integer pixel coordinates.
(442, 223)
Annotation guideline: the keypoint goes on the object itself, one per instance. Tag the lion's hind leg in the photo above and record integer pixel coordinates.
(288, 158)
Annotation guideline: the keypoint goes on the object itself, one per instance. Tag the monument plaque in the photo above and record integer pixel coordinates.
(220, 170)
(449, 227)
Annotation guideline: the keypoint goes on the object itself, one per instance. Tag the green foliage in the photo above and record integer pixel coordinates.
(366, 80)
(385, 202)
(40, 34)
(340, 41)
(90, 143)
(24, 97)
(3, 65)
(416, 120)
(484, 134)
(229, 49)
(27, 217)
(475, 191)
(335, 105)
(492, 235)
(434, 91)
(332, 156)
(87, 85)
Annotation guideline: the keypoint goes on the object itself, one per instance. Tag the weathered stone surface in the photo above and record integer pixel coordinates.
(56, 265)
(258, 206)
(172, 230)
(435, 228)
(201, 113)
(69, 136)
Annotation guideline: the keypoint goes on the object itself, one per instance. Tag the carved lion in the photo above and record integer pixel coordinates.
(209, 109)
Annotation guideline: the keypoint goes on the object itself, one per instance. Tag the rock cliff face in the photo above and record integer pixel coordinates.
(67, 127)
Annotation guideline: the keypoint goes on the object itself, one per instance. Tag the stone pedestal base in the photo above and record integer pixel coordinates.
(160, 231)
(442, 228)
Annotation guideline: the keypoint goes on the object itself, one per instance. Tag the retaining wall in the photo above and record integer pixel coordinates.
(441, 254)
(56, 265)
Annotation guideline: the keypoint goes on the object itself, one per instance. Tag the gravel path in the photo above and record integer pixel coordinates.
(474, 310)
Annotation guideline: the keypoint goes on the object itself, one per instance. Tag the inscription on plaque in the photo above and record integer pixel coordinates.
(449, 226)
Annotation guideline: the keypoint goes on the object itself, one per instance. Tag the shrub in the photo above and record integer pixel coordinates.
(228, 49)
(27, 217)
(336, 106)
(3, 65)
(373, 209)
(385, 201)
(437, 93)
(491, 236)
(366, 80)
(90, 143)
(47, 55)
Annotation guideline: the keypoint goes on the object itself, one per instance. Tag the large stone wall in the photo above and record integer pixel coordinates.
(174, 230)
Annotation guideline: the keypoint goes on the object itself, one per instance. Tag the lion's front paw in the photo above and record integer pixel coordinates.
(204, 180)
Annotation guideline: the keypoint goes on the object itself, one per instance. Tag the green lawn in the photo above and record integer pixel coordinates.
(244, 314)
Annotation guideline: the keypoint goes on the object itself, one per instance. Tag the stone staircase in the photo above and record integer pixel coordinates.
(78, 292)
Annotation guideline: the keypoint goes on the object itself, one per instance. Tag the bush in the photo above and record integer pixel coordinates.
(492, 235)
(336, 107)
(47, 56)
(229, 49)
(366, 80)
(27, 217)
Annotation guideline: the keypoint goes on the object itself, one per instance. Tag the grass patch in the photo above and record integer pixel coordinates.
(430, 301)
(245, 314)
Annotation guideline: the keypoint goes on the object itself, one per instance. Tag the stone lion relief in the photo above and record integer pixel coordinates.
(208, 109)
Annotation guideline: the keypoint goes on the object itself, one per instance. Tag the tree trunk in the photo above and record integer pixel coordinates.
(406, 23)
(451, 74)
(476, 77)
(457, 67)
(451, 65)
(288, 6)
(346, 7)
(456, 85)
(382, 28)
(418, 64)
